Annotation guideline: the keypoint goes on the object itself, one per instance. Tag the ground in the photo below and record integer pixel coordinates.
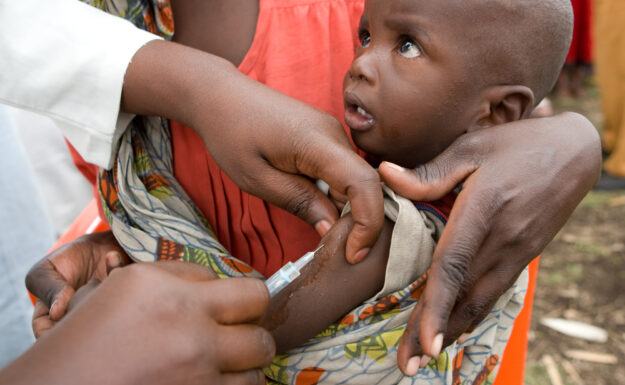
(582, 278)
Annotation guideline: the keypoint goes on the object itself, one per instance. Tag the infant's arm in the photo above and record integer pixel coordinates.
(327, 288)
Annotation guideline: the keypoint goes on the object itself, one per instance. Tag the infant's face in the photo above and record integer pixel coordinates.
(406, 93)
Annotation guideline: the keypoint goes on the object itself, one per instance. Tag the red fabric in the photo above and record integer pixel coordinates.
(88, 170)
(581, 45)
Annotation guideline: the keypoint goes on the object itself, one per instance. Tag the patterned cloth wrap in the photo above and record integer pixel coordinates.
(153, 219)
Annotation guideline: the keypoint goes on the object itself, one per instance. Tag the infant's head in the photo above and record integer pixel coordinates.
(428, 71)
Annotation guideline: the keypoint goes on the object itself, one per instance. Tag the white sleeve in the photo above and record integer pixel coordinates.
(67, 60)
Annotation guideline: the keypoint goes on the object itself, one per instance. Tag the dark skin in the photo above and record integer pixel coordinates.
(533, 195)
(233, 20)
(410, 79)
(96, 343)
(327, 288)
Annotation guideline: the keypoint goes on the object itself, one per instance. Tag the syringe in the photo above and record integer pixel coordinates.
(288, 273)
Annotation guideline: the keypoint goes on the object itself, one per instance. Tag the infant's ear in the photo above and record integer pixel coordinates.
(504, 104)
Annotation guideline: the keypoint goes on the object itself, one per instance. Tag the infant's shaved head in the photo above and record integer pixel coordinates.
(519, 41)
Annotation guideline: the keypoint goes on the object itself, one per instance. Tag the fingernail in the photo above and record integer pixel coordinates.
(52, 307)
(113, 261)
(360, 255)
(437, 344)
(322, 227)
(463, 338)
(395, 167)
(413, 366)
(113, 258)
(424, 361)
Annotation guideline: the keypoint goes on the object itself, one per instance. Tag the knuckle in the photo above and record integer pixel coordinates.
(429, 173)
(300, 205)
(473, 310)
(523, 236)
(369, 175)
(491, 200)
(455, 269)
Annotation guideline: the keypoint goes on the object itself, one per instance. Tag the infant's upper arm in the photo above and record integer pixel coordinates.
(328, 287)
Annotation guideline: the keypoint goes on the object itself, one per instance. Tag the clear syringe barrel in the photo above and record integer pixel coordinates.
(281, 278)
(288, 273)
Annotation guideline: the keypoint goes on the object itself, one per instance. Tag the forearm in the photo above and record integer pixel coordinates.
(72, 353)
(327, 288)
(49, 361)
(168, 79)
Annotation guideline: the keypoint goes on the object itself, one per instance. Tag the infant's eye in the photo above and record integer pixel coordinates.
(409, 49)
(365, 39)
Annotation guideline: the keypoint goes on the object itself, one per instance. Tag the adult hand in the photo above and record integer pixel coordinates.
(55, 278)
(264, 140)
(522, 181)
(146, 324)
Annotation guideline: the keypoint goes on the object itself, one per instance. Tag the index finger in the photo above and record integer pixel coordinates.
(366, 200)
(468, 226)
(356, 179)
(234, 300)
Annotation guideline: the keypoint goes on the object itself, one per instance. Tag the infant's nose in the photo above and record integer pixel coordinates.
(362, 69)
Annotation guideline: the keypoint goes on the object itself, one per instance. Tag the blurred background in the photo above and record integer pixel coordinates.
(582, 272)
(582, 278)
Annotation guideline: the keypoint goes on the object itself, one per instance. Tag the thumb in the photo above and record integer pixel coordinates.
(434, 179)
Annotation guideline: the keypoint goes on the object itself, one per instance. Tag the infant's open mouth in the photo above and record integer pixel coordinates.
(356, 116)
(363, 113)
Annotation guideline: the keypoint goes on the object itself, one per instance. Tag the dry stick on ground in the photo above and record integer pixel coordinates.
(598, 358)
(571, 372)
(552, 370)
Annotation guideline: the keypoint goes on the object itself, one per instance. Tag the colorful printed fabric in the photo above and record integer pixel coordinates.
(149, 213)
(153, 219)
(154, 16)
